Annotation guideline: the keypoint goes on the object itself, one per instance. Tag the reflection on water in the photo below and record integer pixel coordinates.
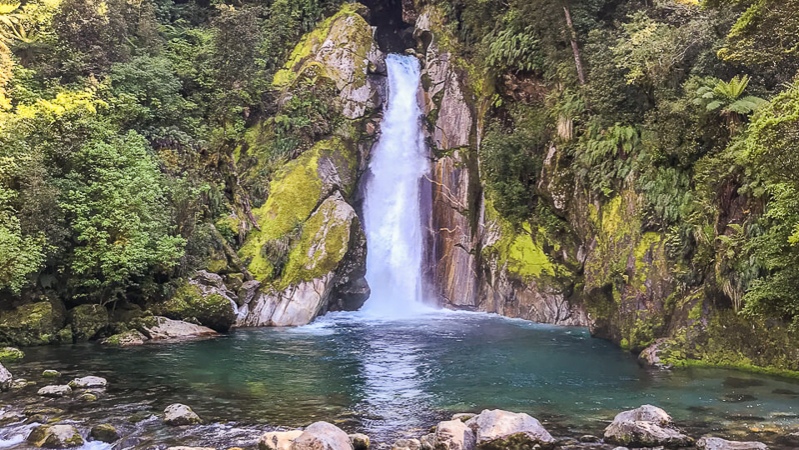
(389, 378)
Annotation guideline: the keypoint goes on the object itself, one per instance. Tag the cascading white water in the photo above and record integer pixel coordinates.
(392, 215)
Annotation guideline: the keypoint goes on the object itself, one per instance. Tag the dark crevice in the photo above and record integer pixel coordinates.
(393, 34)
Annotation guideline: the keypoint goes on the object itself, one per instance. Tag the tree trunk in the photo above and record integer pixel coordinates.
(575, 48)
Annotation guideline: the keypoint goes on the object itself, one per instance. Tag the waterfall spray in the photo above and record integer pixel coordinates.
(392, 214)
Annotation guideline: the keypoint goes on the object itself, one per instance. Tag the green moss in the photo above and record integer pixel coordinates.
(11, 354)
(31, 324)
(295, 192)
(87, 320)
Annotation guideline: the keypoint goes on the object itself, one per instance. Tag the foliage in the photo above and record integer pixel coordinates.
(727, 98)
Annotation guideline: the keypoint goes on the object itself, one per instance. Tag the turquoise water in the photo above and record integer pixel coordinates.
(392, 379)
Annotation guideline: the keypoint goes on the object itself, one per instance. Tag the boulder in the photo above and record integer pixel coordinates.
(86, 321)
(463, 417)
(454, 435)
(178, 414)
(11, 354)
(498, 429)
(647, 426)
(322, 436)
(49, 373)
(5, 379)
(126, 339)
(55, 391)
(55, 436)
(359, 441)
(31, 324)
(650, 356)
(88, 383)
(278, 440)
(204, 299)
(104, 433)
(164, 329)
(713, 443)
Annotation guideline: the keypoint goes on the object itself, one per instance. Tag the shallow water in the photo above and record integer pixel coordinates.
(397, 378)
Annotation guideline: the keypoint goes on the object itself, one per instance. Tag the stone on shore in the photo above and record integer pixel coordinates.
(647, 426)
(5, 379)
(713, 443)
(454, 435)
(278, 440)
(90, 382)
(178, 414)
(497, 429)
(55, 391)
(104, 433)
(322, 436)
(11, 354)
(55, 436)
(51, 374)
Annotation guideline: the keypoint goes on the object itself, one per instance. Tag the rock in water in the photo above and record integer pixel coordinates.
(322, 436)
(5, 379)
(55, 436)
(647, 426)
(126, 339)
(51, 374)
(178, 414)
(407, 444)
(88, 383)
(712, 443)
(278, 440)
(650, 356)
(104, 433)
(497, 429)
(175, 329)
(11, 354)
(454, 435)
(55, 391)
(359, 441)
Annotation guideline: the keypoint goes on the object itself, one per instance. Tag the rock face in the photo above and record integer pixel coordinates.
(322, 436)
(88, 382)
(650, 356)
(164, 329)
(5, 379)
(178, 414)
(712, 443)
(278, 440)
(55, 436)
(647, 426)
(86, 321)
(454, 435)
(497, 429)
(55, 391)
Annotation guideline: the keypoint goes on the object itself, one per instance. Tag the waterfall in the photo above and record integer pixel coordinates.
(392, 215)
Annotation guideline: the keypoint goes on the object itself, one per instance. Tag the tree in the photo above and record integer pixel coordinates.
(727, 98)
(115, 202)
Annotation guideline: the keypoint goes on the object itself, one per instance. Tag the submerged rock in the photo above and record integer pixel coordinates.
(55, 436)
(55, 391)
(278, 440)
(178, 414)
(175, 329)
(498, 429)
(88, 383)
(712, 443)
(11, 354)
(104, 433)
(51, 374)
(5, 379)
(647, 426)
(454, 435)
(20, 383)
(88, 397)
(359, 441)
(407, 444)
(322, 436)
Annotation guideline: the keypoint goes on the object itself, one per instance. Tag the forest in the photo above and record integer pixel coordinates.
(124, 127)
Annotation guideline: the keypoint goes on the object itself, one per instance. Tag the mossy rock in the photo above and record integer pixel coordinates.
(190, 304)
(87, 321)
(11, 354)
(104, 433)
(31, 324)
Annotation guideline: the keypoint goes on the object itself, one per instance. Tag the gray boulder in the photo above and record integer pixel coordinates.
(278, 440)
(178, 414)
(55, 436)
(90, 382)
(498, 429)
(713, 443)
(454, 435)
(55, 391)
(322, 436)
(175, 329)
(647, 426)
(5, 379)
